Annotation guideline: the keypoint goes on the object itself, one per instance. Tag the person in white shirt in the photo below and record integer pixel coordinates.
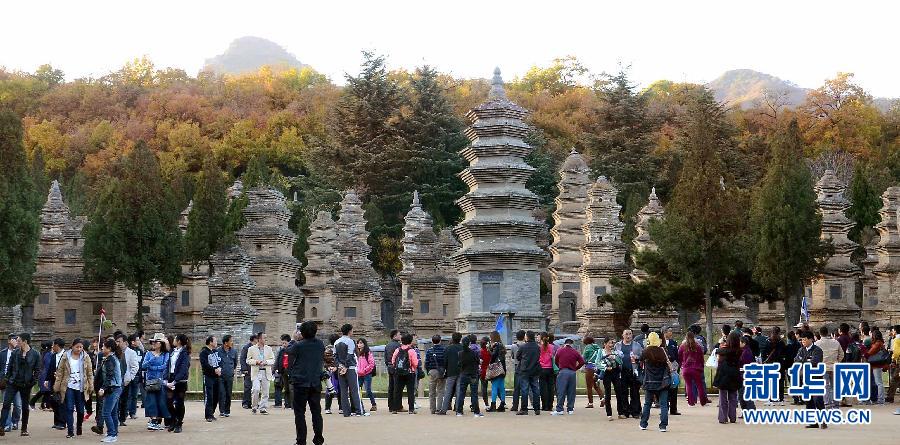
(132, 366)
(261, 359)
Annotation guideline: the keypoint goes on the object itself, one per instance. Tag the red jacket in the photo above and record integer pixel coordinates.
(569, 358)
(485, 361)
(877, 345)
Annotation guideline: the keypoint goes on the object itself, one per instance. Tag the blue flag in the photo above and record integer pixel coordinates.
(804, 310)
(501, 325)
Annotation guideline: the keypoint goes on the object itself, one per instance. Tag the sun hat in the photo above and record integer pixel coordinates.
(159, 336)
(653, 339)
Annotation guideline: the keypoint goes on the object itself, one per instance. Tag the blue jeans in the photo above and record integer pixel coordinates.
(471, 382)
(565, 389)
(663, 395)
(16, 410)
(367, 385)
(498, 389)
(111, 410)
(530, 384)
(133, 389)
(74, 401)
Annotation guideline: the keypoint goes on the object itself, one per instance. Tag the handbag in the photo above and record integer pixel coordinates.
(494, 370)
(153, 385)
(676, 379)
(713, 360)
(879, 358)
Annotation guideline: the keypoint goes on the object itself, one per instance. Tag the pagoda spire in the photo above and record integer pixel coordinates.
(497, 91)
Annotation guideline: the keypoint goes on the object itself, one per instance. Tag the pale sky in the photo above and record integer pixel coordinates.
(804, 42)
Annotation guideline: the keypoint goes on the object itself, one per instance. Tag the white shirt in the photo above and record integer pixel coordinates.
(75, 373)
(8, 357)
(174, 359)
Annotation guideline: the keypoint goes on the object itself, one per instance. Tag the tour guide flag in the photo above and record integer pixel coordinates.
(804, 310)
(501, 325)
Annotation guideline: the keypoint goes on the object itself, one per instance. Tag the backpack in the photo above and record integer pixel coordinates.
(402, 367)
(853, 353)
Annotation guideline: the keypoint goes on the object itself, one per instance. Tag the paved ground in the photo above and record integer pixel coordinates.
(696, 426)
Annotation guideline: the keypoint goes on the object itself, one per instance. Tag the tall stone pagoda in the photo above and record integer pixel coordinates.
(356, 290)
(833, 291)
(887, 270)
(567, 241)
(319, 303)
(423, 284)
(499, 260)
(269, 242)
(604, 258)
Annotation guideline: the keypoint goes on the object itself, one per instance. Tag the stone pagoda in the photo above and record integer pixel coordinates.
(499, 261)
(319, 305)
(269, 242)
(68, 304)
(230, 290)
(567, 241)
(422, 306)
(887, 270)
(604, 258)
(356, 290)
(192, 294)
(833, 292)
(643, 242)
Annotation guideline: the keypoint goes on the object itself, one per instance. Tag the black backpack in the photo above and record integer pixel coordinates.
(853, 353)
(402, 366)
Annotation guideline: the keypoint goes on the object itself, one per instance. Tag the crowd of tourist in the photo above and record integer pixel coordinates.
(104, 377)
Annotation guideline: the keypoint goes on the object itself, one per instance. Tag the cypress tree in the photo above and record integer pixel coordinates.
(786, 223)
(20, 204)
(207, 220)
(133, 235)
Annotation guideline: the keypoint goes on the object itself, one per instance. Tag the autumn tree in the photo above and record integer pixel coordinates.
(133, 235)
(840, 115)
(20, 204)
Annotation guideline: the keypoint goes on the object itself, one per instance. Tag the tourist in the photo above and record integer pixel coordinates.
(641, 338)
(832, 353)
(866, 333)
(704, 345)
(569, 361)
(74, 381)
(228, 361)
(155, 366)
(434, 366)
(657, 380)
(812, 354)
(21, 375)
(629, 398)
(6, 359)
(131, 365)
(777, 354)
(282, 386)
(690, 355)
(345, 356)
(894, 374)
(210, 364)
(484, 357)
(468, 378)
(261, 359)
(405, 361)
(791, 348)
(728, 376)
(671, 348)
(763, 342)
(878, 367)
(608, 370)
(547, 376)
(591, 355)
(497, 360)
(305, 369)
(46, 378)
(747, 357)
(528, 369)
(245, 372)
(331, 368)
(134, 389)
(514, 352)
(451, 371)
(366, 370)
(177, 381)
(110, 388)
(388, 353)
(100, 421)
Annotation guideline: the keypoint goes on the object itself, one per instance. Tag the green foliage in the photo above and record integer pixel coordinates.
(207, 219)
(20, 204)
(133, 235)
(866, 202)
(786, 223)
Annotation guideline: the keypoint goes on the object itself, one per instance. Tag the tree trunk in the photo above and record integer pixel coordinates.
(792, 303)
(707, 297)
(139, 316)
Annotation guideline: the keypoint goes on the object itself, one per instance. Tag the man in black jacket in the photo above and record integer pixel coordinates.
(282, 386)
(451, 365)
(388, 353)
(305, 369)
(21, 375)
(528, 371)
(812, 354)
(245, 372)
(228, 358)
(6, 356)
(671, 347)
(210, 363)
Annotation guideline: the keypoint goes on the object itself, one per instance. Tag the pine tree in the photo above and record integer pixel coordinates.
(866, 202)
(207, 219)
(133, 235)
(20, 205)
(786, 223)
(700, 237)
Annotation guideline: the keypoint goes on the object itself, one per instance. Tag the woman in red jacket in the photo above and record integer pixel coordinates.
(878, 370)
(365, 369)
(690, 355)
(485, 355)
